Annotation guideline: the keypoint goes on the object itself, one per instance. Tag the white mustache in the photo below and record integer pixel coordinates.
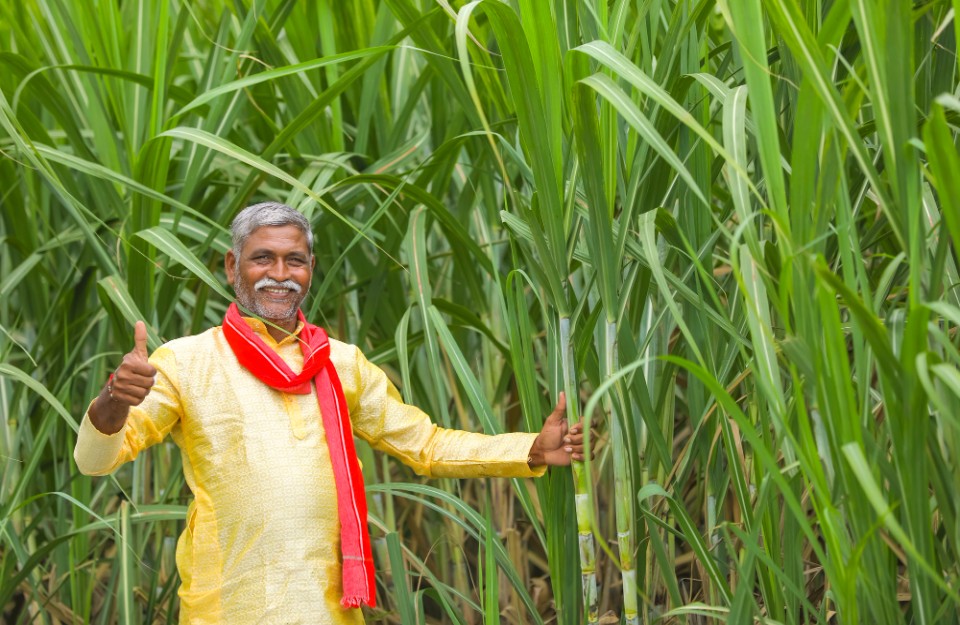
(270, 282)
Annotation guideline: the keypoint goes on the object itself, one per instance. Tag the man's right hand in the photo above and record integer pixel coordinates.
(132, 380)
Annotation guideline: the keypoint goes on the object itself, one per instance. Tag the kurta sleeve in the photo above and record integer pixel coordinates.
(381, 418)
(97, 453)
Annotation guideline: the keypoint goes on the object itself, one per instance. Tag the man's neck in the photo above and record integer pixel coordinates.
(280, 330)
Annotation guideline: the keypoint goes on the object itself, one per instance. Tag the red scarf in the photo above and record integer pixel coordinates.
(266, 364)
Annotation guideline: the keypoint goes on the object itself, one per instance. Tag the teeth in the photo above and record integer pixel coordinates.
(278, 291)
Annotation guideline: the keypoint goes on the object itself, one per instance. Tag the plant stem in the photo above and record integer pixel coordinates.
(588, 551)
(623, 483)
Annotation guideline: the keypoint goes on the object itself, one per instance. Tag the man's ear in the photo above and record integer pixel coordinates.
(229, 265)
(313, 262)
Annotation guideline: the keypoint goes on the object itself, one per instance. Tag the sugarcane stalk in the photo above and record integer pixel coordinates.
(623, 486)
(125, 598)
(584, 507)
(649, 563)
(649, 372)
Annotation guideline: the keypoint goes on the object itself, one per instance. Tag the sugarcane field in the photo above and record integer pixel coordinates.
(476, 312)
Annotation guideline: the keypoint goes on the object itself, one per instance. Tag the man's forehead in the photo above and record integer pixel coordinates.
(271, 237)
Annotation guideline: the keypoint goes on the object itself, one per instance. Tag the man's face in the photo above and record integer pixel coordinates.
(273, 275)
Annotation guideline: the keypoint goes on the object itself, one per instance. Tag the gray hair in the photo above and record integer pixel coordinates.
(266, 214)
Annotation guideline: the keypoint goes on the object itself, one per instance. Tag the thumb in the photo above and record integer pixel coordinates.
(560, 410)
(561, 407)
(140, 339)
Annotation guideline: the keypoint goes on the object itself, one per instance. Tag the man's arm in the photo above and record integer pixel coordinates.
(380, 417)
(136, 409)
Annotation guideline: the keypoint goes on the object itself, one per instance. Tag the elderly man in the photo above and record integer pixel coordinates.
(264, 409)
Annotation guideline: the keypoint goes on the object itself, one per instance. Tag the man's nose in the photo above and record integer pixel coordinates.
(279, 270)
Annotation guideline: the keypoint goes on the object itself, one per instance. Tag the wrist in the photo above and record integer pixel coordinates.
(536, 457)
(107, 415)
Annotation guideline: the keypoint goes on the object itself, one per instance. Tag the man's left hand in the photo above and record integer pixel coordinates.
(557, 444)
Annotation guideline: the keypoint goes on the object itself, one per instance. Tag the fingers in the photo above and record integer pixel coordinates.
(131, 395)
(573, 442)
(566, 443)
(132, 363)
(576, 452)
(135, 376)
(129, 377)
(129, 388)
(140, 339)
(575, 434)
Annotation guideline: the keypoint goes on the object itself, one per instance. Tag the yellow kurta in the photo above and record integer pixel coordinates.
(262, 540)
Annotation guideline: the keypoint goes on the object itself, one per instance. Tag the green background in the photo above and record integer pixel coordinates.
(725, 228)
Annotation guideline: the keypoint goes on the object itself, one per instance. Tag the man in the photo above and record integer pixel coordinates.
(264, 408)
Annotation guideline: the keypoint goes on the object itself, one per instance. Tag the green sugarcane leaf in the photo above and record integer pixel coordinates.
(206, 139)
(692, 534)
(796, 33)
(538, 138)
(651, 253)
(196, 231)
(436, 208)
(945, 165)
(398, 571)
(113, 289)
(861, 468)
(454, 508)
(758, 319)
(105, 173)
(748, 26)
(598, 228)
(622, 68)
(36, 386)
(735, 141)
(481, 406)
(289, 70)
(872, 329)
(423, 292)
(166, 242)
(15, 277)
(760, 449)
(491, 587)
(609, 90)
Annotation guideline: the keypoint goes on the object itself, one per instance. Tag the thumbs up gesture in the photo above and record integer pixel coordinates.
(133, 379)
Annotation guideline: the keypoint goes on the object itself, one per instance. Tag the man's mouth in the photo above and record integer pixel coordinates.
(277, 293)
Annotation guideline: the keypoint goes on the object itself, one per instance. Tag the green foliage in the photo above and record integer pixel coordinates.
(726, 229)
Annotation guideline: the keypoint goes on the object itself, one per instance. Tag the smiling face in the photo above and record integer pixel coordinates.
(273, 274)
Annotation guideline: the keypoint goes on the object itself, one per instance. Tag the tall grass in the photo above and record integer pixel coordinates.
(726, 229)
